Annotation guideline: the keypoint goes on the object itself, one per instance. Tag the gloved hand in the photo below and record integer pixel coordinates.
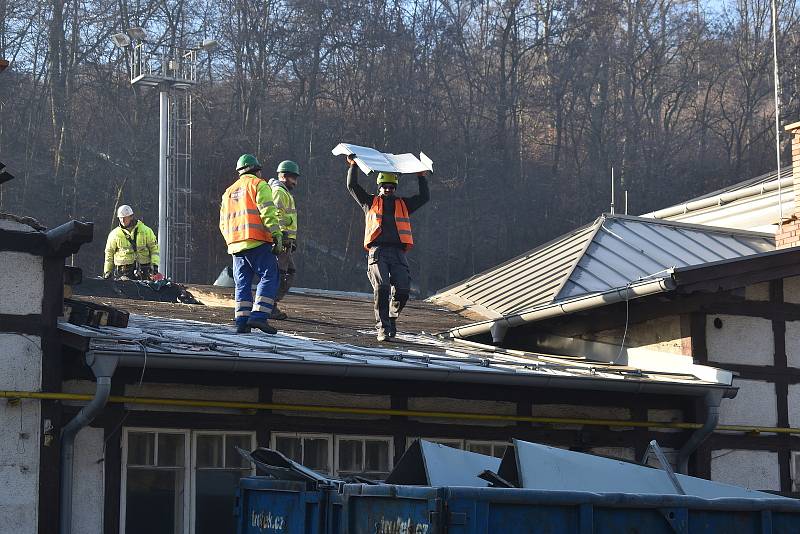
(277, 243)
(351, 160)
(107, 276)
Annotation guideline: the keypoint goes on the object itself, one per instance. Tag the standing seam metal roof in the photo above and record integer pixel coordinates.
(612, 252)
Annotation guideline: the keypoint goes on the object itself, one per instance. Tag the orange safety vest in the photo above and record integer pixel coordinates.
(401, 219)
(240, 219)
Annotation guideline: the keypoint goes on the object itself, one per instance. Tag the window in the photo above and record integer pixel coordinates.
(450, 442)
(314, 451)
(217, 470)
(370, 457)
(338, 455)
(795, 471)
(489, 448)
(179, 482)
(154, 479)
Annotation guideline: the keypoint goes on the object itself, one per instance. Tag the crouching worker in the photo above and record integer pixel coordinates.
(249, 223)
(131, 248)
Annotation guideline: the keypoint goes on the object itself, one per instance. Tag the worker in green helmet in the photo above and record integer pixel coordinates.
(387, 238)
(249, 223)
(288, 172)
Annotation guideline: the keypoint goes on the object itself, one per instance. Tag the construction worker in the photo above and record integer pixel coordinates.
(387, 237)
(248, 221)
(131, 248)
(288, 173)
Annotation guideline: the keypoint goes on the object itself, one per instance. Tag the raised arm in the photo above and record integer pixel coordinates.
(356, 191)
(424, 195)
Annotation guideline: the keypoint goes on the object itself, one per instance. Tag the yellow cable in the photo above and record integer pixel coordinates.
(197, 403)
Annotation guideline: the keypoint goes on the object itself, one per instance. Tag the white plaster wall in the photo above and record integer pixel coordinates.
(21, 362)
(744, 340)
(330, 398)
(794, 406)
(447, 404)
(791, 289)
(19, 466)
(663, 334)
(184, 391)
(88, 482)
(757, 470)
(757, 292)
(755, 404)
(581, 412)
(21, 283)
(793, 343)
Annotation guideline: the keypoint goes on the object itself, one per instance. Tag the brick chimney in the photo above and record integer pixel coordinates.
(789, 233)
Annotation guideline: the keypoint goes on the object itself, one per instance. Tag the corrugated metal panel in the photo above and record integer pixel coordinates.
(627, 250)
(610, 253)
(528, 280)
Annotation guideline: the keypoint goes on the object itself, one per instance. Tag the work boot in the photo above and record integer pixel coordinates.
(262, 325)
(243, 328)
(392, 332)
(278, 314)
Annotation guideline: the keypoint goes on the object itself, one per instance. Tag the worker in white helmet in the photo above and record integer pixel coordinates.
(131, 248)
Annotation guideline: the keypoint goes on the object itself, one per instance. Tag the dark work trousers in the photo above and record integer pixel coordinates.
(286, 271)
(387, 269)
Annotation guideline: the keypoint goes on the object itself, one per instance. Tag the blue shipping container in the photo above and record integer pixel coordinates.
(268, 506)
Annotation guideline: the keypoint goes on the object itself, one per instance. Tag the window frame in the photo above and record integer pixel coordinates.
(449, 442)
(310, 435)
(193, 488)
(363, 439)
(187, 468)
(492, 443)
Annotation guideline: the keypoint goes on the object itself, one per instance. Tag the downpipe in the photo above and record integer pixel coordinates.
(103, 369)
(712, 401)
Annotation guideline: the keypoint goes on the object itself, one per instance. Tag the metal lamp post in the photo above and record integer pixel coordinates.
(169, 68)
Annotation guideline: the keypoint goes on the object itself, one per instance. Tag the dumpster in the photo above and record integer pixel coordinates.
(500, 510)
(265, 505)
(385, 509)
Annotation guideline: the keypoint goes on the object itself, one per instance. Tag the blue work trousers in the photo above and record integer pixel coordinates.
(260, 261)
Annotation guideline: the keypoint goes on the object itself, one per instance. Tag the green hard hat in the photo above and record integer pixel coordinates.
(289, 166)
(387, 178)
(246, 163)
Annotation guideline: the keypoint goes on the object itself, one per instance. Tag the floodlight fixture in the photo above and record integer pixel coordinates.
(120, 40)
(137, 33)
(209, 44)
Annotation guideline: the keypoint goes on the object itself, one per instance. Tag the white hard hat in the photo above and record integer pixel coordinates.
(124, 211)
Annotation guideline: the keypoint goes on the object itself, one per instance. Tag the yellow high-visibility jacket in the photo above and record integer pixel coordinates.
(287, 212)
(120, 247)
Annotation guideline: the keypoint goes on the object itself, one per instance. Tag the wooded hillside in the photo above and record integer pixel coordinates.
(524, 106)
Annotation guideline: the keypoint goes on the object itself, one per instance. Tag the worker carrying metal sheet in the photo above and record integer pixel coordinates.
(387, 238)
(282, 186)
(248, 221)
(131, 248)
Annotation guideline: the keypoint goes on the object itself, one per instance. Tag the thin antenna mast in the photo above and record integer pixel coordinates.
(612, 190)
(626, 202)
(777, 107)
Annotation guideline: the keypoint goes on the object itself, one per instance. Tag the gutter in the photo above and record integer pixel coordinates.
(103, 369)
(712, 401)
(725, 198)
(499, 327)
